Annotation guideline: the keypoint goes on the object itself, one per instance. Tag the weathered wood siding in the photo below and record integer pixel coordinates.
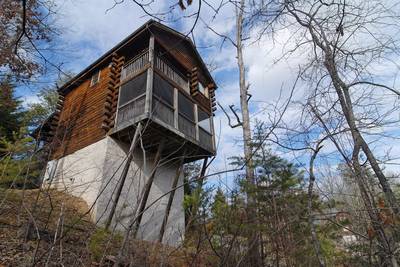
(181, 51)
(81, 118)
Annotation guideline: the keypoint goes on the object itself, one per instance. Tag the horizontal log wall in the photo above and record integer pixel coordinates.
(82, 116)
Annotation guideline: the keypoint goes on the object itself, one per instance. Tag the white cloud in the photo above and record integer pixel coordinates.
(91, 31)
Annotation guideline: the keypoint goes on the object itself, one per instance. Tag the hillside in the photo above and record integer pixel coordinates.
(62, 234)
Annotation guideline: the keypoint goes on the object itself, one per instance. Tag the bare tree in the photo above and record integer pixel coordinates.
(343, 42)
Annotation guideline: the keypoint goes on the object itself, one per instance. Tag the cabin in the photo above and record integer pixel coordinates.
(125, 126)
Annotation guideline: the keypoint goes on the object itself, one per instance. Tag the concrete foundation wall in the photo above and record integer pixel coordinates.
(93, 174)
(80, 173)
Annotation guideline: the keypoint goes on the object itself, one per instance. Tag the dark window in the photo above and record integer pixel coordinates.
(133, 88)
(204, 120)
(95, 78)
(163, 90)
(185, 106)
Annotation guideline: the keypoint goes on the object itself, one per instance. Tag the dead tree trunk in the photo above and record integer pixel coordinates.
(124, 174)
(254, 258)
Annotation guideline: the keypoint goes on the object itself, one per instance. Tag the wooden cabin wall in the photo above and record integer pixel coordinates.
(82, 116)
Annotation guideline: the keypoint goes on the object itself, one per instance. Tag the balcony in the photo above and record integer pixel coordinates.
(160, 96)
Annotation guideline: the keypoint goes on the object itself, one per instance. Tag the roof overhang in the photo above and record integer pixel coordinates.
(77, 79)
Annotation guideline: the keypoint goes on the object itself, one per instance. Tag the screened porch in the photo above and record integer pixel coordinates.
(162, 95)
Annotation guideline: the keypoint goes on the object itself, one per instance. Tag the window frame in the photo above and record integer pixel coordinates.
(191, 102)
(204, 92)
(208, 118)
(97, 80)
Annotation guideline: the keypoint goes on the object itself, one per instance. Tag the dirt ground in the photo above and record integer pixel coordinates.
(50, 228)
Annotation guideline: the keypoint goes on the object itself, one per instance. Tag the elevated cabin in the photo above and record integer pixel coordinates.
(153, 85)
(172, 100)
(156, 77)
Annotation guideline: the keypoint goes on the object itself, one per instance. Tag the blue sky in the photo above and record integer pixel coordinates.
(89, 30)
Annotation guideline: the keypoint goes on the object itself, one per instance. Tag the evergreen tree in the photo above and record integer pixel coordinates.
(11, 113)
(38, 112)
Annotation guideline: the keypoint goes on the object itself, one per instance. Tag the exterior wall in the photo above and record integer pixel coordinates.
(80, 173)
(128, 203)
(93, 173)
(81, 117)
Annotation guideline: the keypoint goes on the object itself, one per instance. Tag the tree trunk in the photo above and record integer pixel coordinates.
(254, 258)
(388, 258)
(314, 237)
(347, 108)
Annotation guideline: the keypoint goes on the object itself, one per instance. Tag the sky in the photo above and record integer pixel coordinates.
(90, 28)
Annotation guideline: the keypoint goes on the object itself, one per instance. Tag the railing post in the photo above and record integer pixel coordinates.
(196, 121)
(176, 111)
(212, 131)
(149, 83)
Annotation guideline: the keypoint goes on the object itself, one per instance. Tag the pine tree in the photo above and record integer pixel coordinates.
(11, 113)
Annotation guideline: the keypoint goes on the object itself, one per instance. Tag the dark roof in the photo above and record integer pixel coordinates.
(75, 80)
(43, 129)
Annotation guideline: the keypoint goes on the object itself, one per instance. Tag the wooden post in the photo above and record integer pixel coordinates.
(147, 188)
(212, 131)
(124, 174)
(196, 121)
(150, 72)
(176, 110)
(171, 198)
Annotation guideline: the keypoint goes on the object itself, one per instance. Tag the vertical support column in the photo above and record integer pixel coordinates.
(196, 121)
(212, 130)
(147, 188)
(150, 72)
(171, 198)
(176, 110)
(211, 94)
(124, 174)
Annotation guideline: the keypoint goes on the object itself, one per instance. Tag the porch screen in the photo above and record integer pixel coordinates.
(204, 120)
(185, 107)
(163, 90)
(132, 89)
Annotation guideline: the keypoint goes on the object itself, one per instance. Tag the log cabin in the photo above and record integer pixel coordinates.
(125, 126)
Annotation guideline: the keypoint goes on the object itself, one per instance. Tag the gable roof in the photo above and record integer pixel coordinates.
(88, 70)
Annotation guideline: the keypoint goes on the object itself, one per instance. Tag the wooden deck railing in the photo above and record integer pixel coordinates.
(134, 66)
(131, 110)
(172, 74)
(161, 110)
(187, 126)
(205, 139)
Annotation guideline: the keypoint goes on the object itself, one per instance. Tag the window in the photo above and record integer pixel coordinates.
(163, 90)
(185, 107)
(204, 120)
(95, 78)
(133, 88)
(203, 90)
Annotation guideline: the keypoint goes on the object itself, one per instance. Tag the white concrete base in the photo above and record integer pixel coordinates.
(93, 174)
